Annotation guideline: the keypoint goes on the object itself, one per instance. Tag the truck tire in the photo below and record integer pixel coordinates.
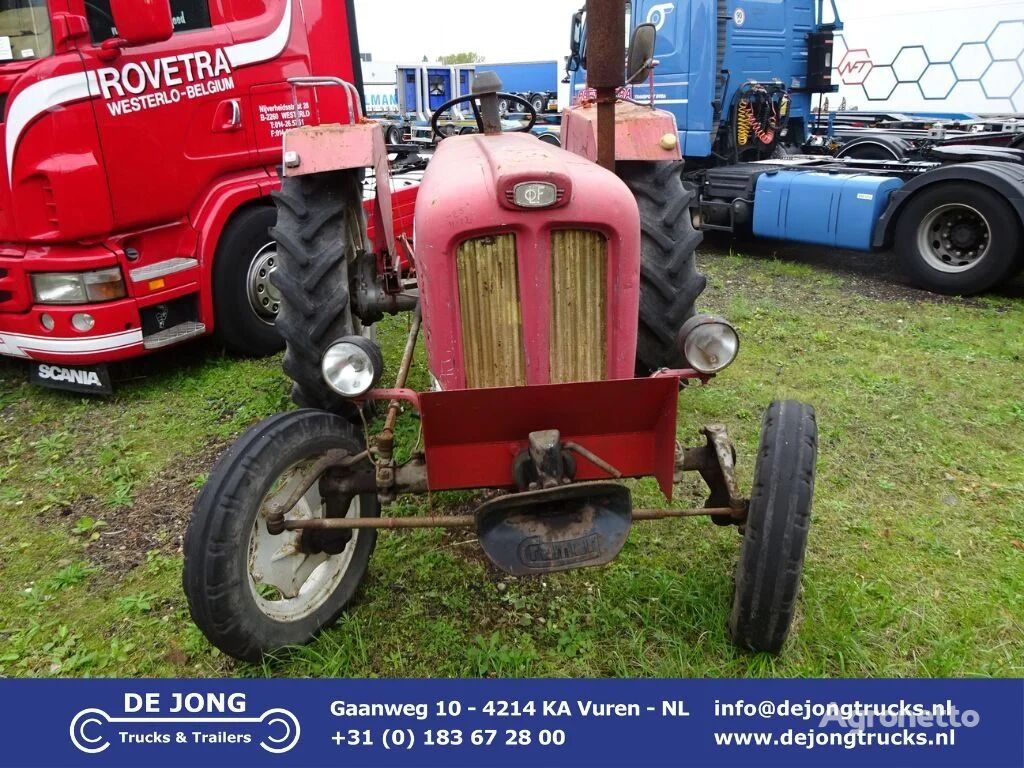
(394, 135)
(669, 281)
(245, 304)
(539, 102)
(242, 610)
(767, 579)
(320, 222)
(958, 238)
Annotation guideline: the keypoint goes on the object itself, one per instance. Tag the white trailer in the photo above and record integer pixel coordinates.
(930, 56)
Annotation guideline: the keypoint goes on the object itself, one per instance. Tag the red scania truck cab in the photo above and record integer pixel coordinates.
(136, 171)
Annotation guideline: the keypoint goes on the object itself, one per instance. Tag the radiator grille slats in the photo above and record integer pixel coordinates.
(492, 328)
(579, 279)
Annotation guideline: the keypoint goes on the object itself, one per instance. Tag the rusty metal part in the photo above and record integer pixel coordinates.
(594, 459)
(384, 443)
(297, 487)
(606, 54)
(409, 478)
(716, 463)
(546, 454)
(371, 297)
(469, 521)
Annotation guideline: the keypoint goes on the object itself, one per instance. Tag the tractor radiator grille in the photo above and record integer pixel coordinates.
(579, 279)
(492, 328)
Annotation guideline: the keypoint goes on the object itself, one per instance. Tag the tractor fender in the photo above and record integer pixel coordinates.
(1005, 179)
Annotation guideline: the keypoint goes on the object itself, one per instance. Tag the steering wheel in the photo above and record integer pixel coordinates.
(471, 99)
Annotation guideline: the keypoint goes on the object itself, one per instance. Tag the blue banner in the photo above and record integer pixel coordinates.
(534, 723)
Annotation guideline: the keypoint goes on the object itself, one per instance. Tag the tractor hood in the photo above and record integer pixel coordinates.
(529, 263)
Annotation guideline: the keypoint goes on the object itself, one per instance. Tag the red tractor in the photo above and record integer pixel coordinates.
(543, 284)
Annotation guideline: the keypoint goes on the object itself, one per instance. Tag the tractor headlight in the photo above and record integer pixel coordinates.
(709, 344)
(352, 366)
(78, 287)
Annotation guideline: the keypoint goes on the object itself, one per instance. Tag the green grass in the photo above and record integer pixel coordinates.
(915, 564)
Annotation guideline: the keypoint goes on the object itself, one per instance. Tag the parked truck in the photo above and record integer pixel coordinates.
(138, 171)
(535, 82)
(741, 77)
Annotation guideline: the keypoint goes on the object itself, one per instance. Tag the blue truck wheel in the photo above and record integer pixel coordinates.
(958, 239)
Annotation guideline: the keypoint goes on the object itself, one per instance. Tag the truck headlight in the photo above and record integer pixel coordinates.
(78, 287)
(709, 344)
(352, 366)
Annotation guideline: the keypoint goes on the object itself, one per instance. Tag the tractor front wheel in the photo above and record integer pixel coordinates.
(775, 538)
(669, 280)
(253, 592)
(320, 227)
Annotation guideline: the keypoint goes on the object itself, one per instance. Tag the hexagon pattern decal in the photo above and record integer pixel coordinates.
(995, 65)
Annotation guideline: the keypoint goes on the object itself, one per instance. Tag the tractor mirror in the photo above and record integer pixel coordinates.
(641, 53)
(141, 22)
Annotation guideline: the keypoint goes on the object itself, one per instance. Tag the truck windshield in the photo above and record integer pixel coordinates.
(24, 30)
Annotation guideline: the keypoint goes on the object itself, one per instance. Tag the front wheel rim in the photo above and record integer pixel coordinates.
(264, 298)
(954, 238)
(286, 583)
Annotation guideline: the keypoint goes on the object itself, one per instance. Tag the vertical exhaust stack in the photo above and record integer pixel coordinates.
(606, 57)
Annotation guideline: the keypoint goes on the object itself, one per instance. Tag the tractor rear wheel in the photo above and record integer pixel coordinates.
(767, 581)
(669, 280)
(320, 226)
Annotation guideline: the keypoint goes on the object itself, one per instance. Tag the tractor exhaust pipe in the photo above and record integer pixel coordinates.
(606, 67)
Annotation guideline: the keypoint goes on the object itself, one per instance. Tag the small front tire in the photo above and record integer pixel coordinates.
(252, 593)
(767, 580)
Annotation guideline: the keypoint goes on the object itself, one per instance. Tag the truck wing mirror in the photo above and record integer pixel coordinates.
(575, 43)
(141, 22)
(641, 53)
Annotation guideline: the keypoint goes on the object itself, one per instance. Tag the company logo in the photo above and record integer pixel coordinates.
(855, 66)
(130, 82)
(275, 731)
(69, 376)
(658, 14)
(168, 80)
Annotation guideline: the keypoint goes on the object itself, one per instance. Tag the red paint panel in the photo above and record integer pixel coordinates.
(472, 436)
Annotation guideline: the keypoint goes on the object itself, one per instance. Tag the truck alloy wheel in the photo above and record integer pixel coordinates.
(767, 580)
(264, 298)
(958, 238)
(250, 590)
(245, 302)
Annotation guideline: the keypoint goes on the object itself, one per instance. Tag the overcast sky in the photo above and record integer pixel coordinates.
(407, 30)
(528, 30)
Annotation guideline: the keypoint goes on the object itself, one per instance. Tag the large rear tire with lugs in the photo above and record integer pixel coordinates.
(767, 581)
(320, 226)
(669, 281)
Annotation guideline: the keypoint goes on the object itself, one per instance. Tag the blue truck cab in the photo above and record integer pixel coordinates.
(710, 53)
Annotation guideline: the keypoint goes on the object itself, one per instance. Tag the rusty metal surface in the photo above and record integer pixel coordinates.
(639, 131)
(492, 327)
(606, 43)
(297, 487)
(322, 148)
(716, 463)
(579, 306)
(469, 521)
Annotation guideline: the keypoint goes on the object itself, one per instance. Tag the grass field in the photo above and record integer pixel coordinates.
(915, 564)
